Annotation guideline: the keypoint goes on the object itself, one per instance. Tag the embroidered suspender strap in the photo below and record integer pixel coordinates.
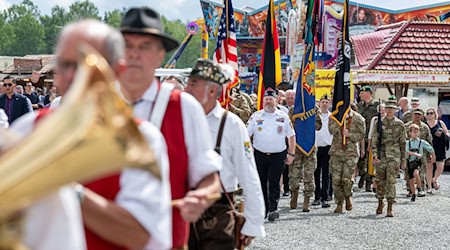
(219, 134)
(161, 102)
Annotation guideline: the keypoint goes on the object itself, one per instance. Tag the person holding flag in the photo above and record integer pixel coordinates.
(347, 126)
(305, 118)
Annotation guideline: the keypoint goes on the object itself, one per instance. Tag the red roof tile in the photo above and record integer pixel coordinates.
(406, 46)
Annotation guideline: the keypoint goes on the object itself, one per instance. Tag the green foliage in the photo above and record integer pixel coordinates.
(25, 31)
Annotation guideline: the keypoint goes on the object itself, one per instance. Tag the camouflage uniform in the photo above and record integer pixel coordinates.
(303, 164)
(240, 107)
(342, 161)
(425, 134)
(251, 105)
(392, 155)
(368, 111)
(407, 116)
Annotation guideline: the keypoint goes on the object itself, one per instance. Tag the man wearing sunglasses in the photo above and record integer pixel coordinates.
(15, 105)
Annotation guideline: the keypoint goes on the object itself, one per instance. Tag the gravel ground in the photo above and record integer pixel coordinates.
(423, 224)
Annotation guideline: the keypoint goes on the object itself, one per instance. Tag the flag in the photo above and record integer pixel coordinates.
(270, 69)
(174, 58)
(341, 94)
(226, 51)
(304, 117)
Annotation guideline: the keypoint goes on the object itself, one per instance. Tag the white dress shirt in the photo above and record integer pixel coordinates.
(3, 119)
(269, 130)
(141, 194)
(239, 166)
(323, 136)
(203, 160)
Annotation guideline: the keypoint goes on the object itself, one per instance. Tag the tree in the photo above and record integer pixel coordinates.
(53, 25)
(28, 31)
(8, 36)
(114, 18)
(83, 10)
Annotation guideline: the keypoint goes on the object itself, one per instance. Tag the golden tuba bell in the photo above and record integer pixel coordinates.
(90, 135)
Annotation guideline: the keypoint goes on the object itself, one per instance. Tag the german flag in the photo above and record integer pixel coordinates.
(270, 69)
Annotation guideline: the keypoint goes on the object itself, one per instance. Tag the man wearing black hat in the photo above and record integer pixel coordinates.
(206, 83)
(193, 162)
(368, 108)
(269, 128)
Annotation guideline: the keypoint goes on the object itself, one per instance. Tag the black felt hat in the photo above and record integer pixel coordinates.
(147, 22)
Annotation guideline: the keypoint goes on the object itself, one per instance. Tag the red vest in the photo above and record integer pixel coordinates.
(172, 130)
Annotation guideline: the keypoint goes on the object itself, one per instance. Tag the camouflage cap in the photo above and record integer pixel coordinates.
(391, 104)
(418, 111)
(392, 98)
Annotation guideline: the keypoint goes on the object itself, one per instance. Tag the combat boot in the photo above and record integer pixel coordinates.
(306, 204)
(338, 209)
(389, 209)
(368, 189)
(380, 206)
(348, 203)
(294, 198)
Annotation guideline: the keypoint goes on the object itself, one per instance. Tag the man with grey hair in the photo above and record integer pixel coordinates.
(128, 209)
(403, 107)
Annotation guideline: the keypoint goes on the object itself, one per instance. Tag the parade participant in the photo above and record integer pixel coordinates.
(33, 96)
(205, 83)
(130, 209)
(408, 116)
(323, 144)
(303, 168)
(403, 107)
(3, 119)
(15, 105)
(368, 108)
(415, 151)
(425, 134)
(239, 105)
(388, 163)
(270, 127)
(440, 135)
(193, 162)
(343, 158)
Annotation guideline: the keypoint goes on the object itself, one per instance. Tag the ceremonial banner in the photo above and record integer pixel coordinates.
(341, 93)
(270, 69)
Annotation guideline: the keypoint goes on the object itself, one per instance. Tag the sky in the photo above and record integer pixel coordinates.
(172, 9)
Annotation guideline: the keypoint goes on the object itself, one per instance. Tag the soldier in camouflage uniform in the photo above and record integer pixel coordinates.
(239, 105)
(368, 108)
(408, 116)
(425, 134)
(250, 103)
(343, 159)
(308, 163)
(393, 141)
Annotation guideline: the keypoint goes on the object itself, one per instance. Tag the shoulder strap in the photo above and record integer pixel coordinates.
(219, 135)
(161, 102)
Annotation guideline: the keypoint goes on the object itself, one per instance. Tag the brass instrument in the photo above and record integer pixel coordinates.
(90, 135)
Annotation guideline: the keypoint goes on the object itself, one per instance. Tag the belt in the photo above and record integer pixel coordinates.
(268, 154)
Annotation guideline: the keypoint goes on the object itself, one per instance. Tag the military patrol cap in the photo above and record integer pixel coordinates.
(207, 70)
(391, 104)
(270, 92)
(418, 111)
(366, 88)
(325, 97)
(415, 100)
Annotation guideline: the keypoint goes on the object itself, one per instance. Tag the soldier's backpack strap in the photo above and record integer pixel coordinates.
(161, 102)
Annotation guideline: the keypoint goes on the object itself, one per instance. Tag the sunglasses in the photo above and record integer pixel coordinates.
(430, 113)
(7, 84)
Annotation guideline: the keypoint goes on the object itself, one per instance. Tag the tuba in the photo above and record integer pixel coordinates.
(90, 135)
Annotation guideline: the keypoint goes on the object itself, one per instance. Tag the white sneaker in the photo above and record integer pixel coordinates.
(421, 194)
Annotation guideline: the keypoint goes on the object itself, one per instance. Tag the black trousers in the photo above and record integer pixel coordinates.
(270, 167)
(322, 170)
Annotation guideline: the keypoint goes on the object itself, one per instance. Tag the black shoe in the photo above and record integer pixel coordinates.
(409, 194)
(330, 198)
(325, 204)
(273, 215)
(286, 194)
(413, 198)
(316, 203)
(361, 182)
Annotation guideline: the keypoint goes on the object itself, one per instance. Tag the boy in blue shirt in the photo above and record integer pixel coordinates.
(414, 151)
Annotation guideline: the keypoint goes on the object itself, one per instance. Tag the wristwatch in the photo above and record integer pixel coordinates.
(293, 155)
